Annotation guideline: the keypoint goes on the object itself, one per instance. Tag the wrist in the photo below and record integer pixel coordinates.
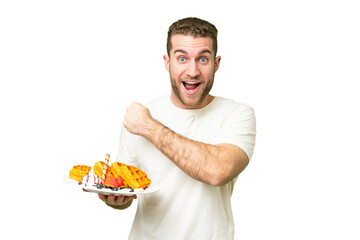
(154, 132)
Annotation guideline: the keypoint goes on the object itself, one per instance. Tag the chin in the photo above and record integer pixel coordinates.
(189, 102)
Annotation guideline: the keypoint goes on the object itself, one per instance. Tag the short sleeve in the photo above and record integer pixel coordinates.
(239, 128)
(126, 151)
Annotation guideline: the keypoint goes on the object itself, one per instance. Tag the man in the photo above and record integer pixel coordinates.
(191, 144)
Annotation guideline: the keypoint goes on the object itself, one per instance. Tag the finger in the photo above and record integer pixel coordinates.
(132, 104)
(102, 197)
(128, 199)
(119, 200)
(110, 199)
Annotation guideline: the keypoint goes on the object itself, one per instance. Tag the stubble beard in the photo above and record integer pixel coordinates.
(204, 94)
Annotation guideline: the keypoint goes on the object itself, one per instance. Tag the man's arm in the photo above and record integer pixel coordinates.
(212, 164)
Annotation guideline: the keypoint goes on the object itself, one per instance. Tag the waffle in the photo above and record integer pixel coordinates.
(133, 176)
(98, 168)
(115, 170)
(78, 172)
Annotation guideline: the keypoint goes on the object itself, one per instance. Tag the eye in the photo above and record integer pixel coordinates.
(203, 60)
(182, 59)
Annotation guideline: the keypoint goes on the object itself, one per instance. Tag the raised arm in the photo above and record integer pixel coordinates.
(212, 164)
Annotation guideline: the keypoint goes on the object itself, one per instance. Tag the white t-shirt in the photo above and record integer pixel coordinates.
(185, 208)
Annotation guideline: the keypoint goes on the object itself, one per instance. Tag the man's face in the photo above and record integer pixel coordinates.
(192, 66)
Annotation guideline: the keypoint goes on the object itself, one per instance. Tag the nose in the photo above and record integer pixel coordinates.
(193, 70)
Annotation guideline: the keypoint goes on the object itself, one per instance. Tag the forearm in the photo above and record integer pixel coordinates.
(212, 164)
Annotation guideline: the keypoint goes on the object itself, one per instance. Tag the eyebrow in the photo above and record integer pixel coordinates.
(183, 51)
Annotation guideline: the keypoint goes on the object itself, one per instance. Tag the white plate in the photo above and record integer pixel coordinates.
(106, 191)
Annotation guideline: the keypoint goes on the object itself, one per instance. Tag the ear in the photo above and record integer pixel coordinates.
(217, 62)
(166, 61)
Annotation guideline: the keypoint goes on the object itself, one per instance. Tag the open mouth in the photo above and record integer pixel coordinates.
(191, 86)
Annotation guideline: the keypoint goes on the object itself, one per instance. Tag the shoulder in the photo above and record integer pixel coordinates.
(232, 105)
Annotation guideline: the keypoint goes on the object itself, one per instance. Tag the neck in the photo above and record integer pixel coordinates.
(177, 103)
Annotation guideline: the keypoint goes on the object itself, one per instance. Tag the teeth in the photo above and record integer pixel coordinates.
(191, 83)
